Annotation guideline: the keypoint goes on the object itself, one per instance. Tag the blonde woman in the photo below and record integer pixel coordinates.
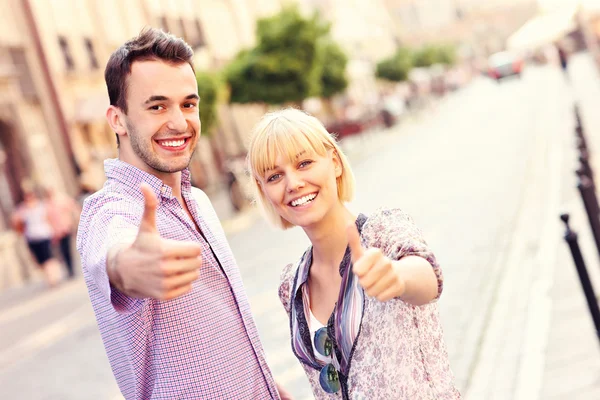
(361, 299)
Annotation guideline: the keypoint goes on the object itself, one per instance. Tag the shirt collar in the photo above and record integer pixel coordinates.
(132, 177)
(306, 260)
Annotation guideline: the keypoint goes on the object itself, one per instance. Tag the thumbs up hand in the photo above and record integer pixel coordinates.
(377, 274)
(152, 266)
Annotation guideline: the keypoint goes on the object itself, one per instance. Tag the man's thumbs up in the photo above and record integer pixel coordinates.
(152, 266)
(148, 224)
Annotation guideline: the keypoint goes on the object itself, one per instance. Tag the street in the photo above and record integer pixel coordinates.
(482, 172)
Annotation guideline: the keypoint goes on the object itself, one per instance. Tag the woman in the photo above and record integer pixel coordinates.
(363, 319)
(32, 220)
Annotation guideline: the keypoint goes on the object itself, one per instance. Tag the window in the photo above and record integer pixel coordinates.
(198, 37)
(26, 84)
(64, 47)
(89, 45)
(164, 24)
(182, 31)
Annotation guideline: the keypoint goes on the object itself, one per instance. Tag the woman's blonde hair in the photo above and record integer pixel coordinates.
(289, 132)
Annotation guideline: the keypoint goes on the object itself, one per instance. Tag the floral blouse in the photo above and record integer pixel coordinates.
(399, 350)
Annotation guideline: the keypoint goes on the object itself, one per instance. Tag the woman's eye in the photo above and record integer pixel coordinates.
(305, 163)
(272, 177)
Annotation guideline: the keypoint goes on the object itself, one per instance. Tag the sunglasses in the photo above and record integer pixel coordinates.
(328, 377)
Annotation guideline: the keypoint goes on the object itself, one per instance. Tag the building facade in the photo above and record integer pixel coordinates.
(53, 130)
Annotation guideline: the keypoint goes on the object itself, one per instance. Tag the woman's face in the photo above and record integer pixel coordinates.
(305, 189)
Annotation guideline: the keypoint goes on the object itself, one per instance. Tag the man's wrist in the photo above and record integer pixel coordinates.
(112, 267)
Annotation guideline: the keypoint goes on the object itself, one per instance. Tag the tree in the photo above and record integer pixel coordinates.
(283, 66)
(333, 61)
(447, 55)
(429, 55)
(425, 57)
(208, 90)
(397, 67)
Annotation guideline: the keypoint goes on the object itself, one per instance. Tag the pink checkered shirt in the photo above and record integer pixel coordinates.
(203, 345)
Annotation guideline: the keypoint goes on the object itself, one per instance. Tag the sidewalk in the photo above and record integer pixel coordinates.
(572, 359)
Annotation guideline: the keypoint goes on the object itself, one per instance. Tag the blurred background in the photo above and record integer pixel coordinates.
(458, 111)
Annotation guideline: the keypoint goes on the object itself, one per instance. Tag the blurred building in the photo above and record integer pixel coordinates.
(480, 27)
(52, 57)
(419, 21)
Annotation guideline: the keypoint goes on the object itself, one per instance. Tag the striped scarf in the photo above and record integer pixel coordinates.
(345, 322)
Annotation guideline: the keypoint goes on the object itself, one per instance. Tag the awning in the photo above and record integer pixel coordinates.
(543, 29)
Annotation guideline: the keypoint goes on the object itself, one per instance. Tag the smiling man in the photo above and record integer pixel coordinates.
(165, 288)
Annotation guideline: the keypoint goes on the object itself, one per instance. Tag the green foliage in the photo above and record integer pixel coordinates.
(208, 90)
(397, 67)
(429, 55)
(286, 65)
(333, 61)
(447, 55)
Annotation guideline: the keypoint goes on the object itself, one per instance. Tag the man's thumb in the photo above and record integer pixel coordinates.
(356, 249)
(148, 223)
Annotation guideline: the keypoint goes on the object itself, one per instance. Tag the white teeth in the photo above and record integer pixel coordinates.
(303, 200)
(173, 143)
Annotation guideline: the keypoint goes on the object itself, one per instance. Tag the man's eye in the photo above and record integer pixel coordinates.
(273, 177)
(190, 105)
(157, 108)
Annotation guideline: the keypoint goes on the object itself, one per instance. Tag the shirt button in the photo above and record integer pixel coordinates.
(163, 189)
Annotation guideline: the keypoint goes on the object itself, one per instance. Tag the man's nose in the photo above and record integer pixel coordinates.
(177, 121)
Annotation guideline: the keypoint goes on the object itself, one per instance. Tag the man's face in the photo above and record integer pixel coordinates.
(162, 124)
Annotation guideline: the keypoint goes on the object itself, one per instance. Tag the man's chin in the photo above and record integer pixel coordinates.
(171, 168)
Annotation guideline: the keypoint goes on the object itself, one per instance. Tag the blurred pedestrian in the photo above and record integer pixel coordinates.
(362, 298)
(164, 285)
(31, 219)
(63, 213)
(563, 57)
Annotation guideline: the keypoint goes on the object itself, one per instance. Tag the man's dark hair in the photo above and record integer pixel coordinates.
(150, 44)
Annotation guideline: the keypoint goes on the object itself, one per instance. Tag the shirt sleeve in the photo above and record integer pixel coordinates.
(98, 233)
(395, 233)
(286, 281)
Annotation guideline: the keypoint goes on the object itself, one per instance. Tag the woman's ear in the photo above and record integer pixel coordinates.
(337, 164)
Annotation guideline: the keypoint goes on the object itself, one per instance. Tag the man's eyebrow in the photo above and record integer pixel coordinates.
(152, 99)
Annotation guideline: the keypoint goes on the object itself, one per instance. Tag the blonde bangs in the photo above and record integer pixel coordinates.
(289, 133)
(286, 138)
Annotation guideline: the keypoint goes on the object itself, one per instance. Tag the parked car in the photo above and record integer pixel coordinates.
(348, 127)
(504, 64)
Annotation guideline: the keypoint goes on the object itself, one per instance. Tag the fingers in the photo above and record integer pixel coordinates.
(366, 262)
(356, 249)
(181, 280)
(180, 266)
(375, 277)
(148, 223)
(378, 276)
(180, 291)
(176, 249)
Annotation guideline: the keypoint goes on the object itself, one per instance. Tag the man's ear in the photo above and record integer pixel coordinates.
(116, 120)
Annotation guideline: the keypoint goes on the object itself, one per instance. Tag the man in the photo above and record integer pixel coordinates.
(164, 285)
